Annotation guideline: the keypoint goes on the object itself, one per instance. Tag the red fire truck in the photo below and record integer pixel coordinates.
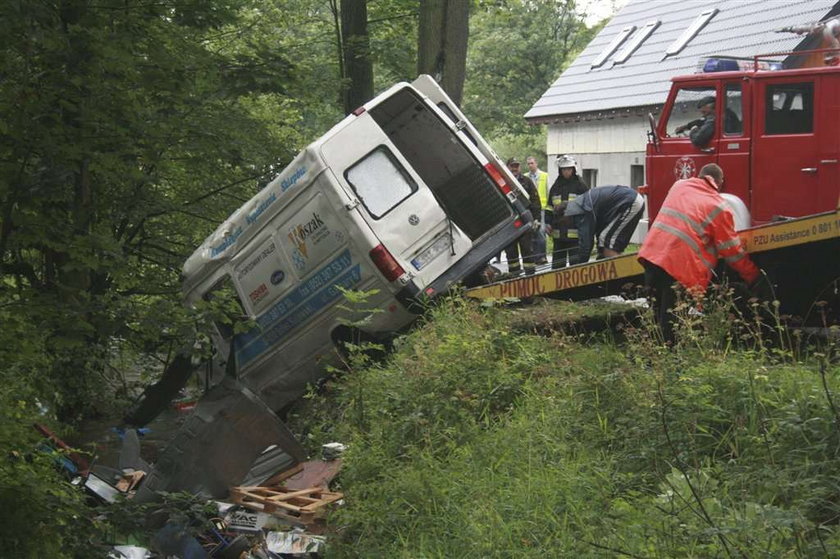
(775, 136)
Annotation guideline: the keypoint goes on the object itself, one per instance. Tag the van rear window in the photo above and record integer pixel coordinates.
(460, 184)
(380, 181)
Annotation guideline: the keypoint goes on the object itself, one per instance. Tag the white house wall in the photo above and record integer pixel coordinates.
(612, 146)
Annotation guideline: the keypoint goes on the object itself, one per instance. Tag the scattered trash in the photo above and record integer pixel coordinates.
(130, 480)
(129, 552)
(239, 519)
(99, 488)
(174, 539)
(294, 542)
(313, 473)
(331, 451)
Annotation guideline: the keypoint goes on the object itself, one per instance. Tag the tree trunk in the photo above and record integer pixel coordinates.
(358, 68)
(442, 43)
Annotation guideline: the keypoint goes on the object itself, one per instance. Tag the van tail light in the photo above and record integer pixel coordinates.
(385, 263)
(498, 179)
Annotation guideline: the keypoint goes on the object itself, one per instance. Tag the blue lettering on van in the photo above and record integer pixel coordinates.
(226, 243)
(290, 181)
(252, 217)
(255, 342)
(318, 280)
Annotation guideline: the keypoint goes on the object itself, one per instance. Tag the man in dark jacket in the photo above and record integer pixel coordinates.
(565, 189)
(702, 129)
(608, 213)
(523, 245)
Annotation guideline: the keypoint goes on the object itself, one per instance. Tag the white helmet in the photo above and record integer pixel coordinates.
(564, 161)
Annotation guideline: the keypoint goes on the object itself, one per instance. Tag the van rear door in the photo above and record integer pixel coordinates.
(393, 200)
(417, 183)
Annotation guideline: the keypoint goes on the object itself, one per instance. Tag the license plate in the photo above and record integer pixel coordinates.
(432, 252)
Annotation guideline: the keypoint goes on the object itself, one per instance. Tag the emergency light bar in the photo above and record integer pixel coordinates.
(709, 64)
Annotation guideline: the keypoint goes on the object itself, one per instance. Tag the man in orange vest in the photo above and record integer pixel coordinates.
(692, 230)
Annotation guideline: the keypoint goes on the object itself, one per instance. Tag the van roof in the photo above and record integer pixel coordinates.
(221, 245)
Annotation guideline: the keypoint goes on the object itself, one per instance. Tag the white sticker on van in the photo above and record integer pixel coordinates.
(255, 274)
(298, 307)
(312, 236)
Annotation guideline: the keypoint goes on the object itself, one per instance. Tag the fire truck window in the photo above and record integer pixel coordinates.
(380, 181)
(789, 108)
(733, 116)
(685, 108)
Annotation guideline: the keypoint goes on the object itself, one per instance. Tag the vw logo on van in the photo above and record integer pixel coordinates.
(277, 277)
(413, 219)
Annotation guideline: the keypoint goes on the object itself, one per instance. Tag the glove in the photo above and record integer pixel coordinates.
(761, 288)
(535, 225)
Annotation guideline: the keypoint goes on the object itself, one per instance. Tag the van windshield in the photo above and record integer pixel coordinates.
(457, 179)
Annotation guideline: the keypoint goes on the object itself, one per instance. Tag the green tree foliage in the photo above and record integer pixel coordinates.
(128, 131)
(517, 49)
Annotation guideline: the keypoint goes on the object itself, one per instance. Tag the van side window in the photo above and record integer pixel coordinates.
(789, 108)
(380, 181)
(224, 307)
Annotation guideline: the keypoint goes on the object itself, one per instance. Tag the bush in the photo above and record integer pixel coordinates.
(474, 441)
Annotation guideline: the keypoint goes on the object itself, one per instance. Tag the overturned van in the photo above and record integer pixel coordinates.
(403, 198)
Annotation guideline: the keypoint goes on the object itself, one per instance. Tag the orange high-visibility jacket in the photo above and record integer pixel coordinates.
(692, 230)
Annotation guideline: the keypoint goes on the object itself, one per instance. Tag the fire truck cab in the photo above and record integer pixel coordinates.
(776, 136)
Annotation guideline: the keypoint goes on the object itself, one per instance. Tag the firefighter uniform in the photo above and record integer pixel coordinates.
(691, 232)
(563, 190)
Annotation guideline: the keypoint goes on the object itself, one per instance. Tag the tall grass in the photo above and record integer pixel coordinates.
(475, 441)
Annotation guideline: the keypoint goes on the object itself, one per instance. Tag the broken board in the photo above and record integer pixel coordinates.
(301, 506)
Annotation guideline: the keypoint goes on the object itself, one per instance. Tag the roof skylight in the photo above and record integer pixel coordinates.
(692, 30)
(614, 44)
(636, 41)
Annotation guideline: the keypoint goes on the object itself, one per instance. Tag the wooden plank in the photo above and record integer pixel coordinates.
(284, 475)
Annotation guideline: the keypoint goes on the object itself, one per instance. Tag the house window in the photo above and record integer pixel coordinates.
(590, 177)
(637, 175)
(692, 30)
(789, 108)
(614, 44)
(636, 41)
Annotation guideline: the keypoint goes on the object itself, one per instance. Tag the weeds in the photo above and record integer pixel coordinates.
(481, 442)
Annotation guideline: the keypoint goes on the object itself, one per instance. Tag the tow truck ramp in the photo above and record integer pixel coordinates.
(801, 256)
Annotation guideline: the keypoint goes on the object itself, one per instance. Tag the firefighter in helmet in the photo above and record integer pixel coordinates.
(566, 188)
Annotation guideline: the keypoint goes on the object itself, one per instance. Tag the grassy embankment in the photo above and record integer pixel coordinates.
(480, 438)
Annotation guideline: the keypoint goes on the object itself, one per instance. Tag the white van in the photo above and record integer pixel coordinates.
(403, 196)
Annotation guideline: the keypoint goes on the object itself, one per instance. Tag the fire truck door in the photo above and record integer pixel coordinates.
(734, 143)
(676, 157)
(786, 164)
